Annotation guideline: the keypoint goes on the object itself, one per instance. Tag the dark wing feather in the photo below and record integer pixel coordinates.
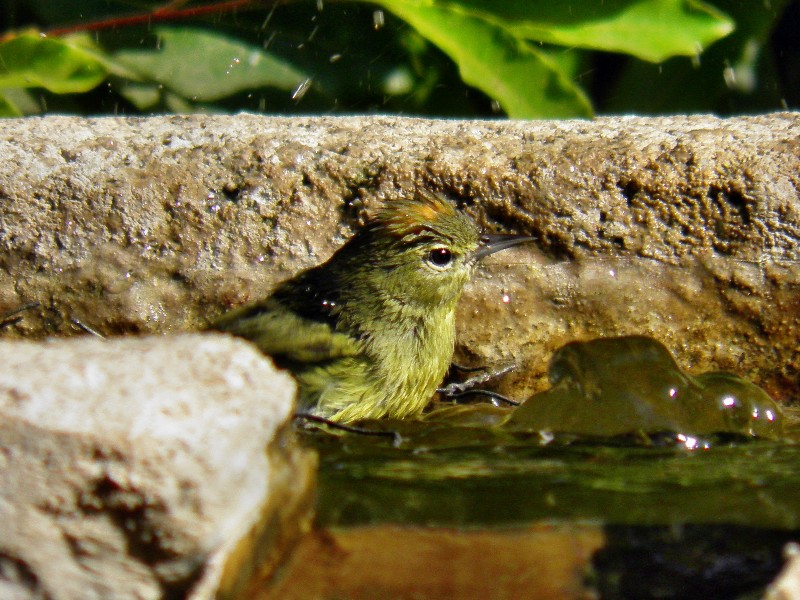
(296, 325)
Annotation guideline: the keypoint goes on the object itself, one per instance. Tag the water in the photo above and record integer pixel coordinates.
(485, 482)
(627, 479)
(661, 520)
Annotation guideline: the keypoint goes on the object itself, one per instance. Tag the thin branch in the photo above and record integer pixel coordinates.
(165, 13)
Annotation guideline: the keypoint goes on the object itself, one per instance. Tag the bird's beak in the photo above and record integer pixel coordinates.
(491, 243)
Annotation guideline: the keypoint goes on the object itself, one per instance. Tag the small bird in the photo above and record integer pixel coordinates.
(371, 332)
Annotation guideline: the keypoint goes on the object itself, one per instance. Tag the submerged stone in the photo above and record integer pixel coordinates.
(613, 386)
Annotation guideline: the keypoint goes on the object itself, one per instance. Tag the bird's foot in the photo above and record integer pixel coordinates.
(461, 389)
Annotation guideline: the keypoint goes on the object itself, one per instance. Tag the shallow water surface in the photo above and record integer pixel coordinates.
(628, 478)
(434, 480)
(475, 512)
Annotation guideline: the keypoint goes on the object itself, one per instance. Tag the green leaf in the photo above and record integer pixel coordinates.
(734, 76)
(16, 102)
(204, 66)
(7, 108)
(652, 30)
(524, 80)
(113, 67)
(58, 65)
(142, 95)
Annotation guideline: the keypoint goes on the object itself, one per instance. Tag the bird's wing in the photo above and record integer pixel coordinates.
(284, 334)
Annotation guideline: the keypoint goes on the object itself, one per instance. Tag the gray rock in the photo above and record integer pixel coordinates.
(143, 467)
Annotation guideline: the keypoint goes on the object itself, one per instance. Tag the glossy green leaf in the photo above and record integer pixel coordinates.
(525, 81)
(61, 66)
(652, 30)
(204, 66)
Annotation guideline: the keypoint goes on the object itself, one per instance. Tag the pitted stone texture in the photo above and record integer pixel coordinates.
(159, 224)
(133, 468)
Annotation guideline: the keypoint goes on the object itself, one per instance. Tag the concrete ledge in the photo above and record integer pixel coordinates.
(151, 225)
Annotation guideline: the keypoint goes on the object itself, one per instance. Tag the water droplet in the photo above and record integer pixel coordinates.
(301, 90)
(378, 19)
(545, 437)
(729, 75)
(398, 81)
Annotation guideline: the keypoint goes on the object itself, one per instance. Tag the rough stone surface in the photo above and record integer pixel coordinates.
(683, 228)
(139, 468)
(787, 585)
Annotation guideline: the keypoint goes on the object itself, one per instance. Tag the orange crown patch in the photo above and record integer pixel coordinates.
(409, 216)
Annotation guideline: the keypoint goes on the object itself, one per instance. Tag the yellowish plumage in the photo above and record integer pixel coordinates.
(370, 333)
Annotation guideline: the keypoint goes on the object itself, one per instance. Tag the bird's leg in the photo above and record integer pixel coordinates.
(465, 369)
(348, 428)
(458, 387)
(494, 397)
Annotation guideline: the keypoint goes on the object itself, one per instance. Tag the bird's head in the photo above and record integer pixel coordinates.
(422, 250)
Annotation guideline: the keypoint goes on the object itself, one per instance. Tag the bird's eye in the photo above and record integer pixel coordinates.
(440, 257)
